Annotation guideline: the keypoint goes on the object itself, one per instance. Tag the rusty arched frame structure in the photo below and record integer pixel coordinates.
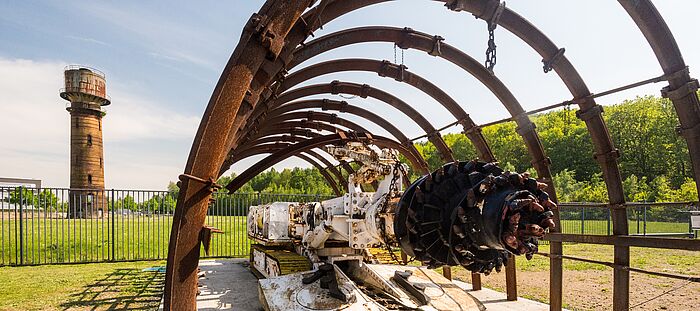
(269, 46)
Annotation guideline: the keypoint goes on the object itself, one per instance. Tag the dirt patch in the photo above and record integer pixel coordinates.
(592, 289)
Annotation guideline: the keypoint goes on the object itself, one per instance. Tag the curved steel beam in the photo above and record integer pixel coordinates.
(400, 74)
(270, 160)
(278, 142)
(212, 142)
(294, 120)
(682, 88)
(342, 106)
(271, 148)
(364, 91)
(417, 162)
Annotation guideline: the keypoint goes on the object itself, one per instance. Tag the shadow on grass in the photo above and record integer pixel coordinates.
(123, 289)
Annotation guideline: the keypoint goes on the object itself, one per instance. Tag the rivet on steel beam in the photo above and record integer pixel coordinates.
(548, 64)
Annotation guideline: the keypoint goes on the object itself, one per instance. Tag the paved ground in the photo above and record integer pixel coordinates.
(229, 285)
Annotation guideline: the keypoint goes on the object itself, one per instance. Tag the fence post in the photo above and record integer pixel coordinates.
(583, 219)
(21, 226)
(114, 241)
(645, 220)
(609, 221)
(637, 210)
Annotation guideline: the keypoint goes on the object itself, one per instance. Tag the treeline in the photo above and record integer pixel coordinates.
(654, 159)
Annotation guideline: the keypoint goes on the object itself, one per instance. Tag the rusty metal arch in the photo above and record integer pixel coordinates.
(416, 160)
(311, 152)
(245, 67)
(277, 142)
(271, 148)
(208, 151)
(364, 91)
(263, 164)
(325, 119)
(399, 73)
(342, 106)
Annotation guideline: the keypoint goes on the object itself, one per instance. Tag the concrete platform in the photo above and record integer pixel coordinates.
(229, 285)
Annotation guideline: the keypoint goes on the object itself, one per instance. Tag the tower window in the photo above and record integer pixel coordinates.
(89, 140)
(100, 162)
(89, 179)
(77, 123)
(99, 124)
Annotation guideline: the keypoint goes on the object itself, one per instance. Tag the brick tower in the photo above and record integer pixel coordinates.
(85, 90)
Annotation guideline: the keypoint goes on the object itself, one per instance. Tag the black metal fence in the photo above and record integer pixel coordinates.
(57, 225)
(661, 219)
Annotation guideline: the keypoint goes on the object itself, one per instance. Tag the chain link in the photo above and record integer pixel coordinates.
(491, 51)
(397, 170)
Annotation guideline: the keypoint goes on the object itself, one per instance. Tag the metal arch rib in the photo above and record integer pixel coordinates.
(390, 70)
(333, 105)
(298, 147)
(368, 91)
(417, 162)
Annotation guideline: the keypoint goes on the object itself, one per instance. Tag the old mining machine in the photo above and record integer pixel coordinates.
(341, 253)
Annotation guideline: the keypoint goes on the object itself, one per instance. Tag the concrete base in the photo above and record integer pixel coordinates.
(227, 284)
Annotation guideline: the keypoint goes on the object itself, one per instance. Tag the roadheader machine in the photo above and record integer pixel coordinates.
(340, 254)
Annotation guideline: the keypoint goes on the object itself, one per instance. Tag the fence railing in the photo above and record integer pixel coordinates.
(58, 225)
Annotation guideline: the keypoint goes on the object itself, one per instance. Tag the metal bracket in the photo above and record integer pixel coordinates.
(678, 74)
(437, 42)
(455, 5)
(387, 66)
(549, 63)
(590, 113)
(684, 90)
(205, 237)
(310, 115)
(364, 91)
(496, 15)
(334, 87)
(262, 30)
(607, 156)
(209, 183)
(546, 161)
(692, 132)
(407, 32)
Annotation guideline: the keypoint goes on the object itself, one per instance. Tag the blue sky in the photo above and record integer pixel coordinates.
(162, 60)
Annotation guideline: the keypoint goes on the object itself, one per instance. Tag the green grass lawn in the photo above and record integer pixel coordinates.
(102, 286)
(92, 240)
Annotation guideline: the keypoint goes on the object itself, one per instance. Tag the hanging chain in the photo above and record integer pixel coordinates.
(491, 49)
(401, 56)
(491, 52)
(394, 53)
(397, 171)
